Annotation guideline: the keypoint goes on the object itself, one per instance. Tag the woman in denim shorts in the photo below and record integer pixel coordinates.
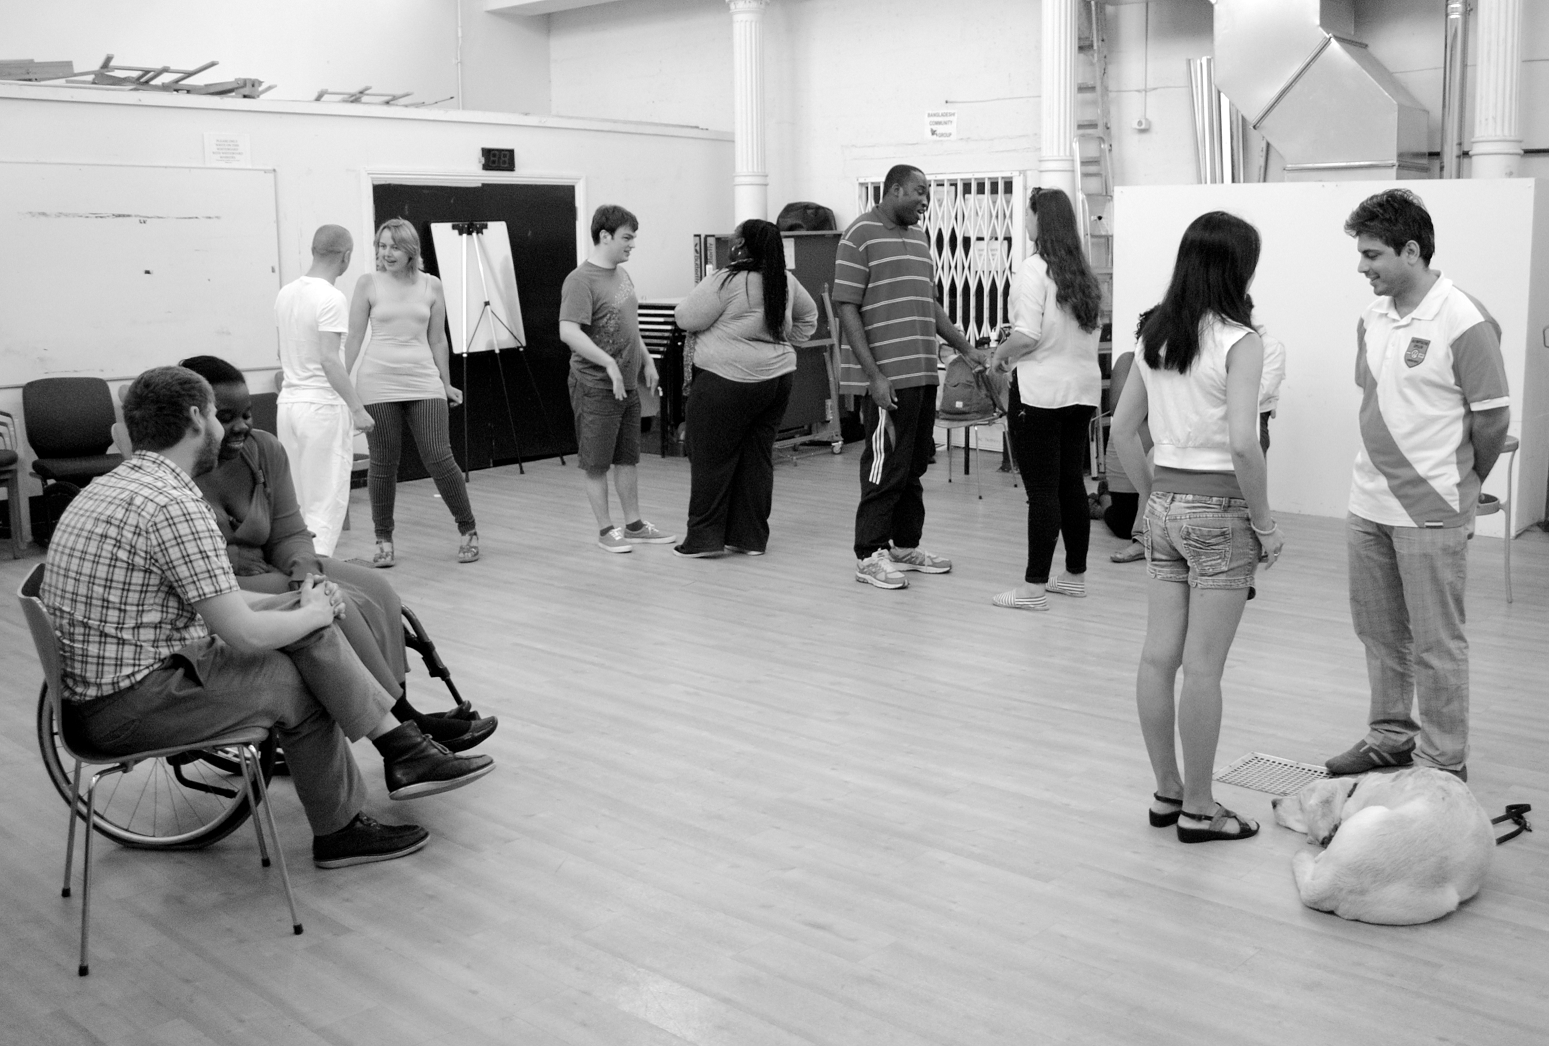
(1207, 517)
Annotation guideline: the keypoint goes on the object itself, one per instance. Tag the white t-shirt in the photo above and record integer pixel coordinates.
(1062, 371)
(308, 313)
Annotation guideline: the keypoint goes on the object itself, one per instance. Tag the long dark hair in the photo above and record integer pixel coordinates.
(1216, 259)
(764, 253)
(1059, 245)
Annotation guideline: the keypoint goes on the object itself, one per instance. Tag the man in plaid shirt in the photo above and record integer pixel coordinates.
(160, 647)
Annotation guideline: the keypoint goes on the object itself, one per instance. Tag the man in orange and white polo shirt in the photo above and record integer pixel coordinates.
(1434, 411)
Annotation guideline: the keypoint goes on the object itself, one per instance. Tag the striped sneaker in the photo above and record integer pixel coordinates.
(1067, 586)
(918, 559)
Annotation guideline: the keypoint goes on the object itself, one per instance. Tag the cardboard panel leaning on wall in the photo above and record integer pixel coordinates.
(1308, 293)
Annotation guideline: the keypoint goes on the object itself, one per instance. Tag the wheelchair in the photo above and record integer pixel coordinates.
(192, 800)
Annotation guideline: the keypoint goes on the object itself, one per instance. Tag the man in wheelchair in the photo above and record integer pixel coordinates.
(160, 646)
(271, 551)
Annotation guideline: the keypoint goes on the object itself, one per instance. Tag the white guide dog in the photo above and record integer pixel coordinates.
(1397, 848)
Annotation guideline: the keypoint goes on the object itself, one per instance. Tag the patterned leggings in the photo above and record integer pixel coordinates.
(428, 425)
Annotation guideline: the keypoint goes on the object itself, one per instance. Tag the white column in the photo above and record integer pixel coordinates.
(750, 180)
(1497, 145)
(1056, 162)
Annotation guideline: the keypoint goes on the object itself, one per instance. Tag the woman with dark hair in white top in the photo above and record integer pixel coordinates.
(1207, 517)
(1055, 387)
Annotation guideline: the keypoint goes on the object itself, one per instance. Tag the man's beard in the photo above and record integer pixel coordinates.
(209, 454)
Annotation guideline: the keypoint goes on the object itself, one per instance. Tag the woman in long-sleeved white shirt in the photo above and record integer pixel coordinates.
(1056, 385)
(744, 318)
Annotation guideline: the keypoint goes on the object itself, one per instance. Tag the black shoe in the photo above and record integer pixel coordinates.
(466, 713)
(415, 765)
(364, 841)
(457, 735)
(1364, 758)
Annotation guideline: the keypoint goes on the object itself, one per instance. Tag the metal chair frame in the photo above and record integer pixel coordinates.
(15, 503)
(1488, 505)
(245, 742)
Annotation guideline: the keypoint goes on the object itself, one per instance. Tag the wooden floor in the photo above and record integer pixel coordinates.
(749, 801)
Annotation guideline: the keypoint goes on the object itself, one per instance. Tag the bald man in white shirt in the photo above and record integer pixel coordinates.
(319, 410)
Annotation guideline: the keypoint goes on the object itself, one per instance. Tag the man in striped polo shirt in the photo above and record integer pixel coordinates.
(885, 291)
(1434, 411)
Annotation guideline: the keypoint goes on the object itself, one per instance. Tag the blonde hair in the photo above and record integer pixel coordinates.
(404, 238)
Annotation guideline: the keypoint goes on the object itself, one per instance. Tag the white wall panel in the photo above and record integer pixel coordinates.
(1489, 235)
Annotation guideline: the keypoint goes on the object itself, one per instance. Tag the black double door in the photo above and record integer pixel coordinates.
(540, 220)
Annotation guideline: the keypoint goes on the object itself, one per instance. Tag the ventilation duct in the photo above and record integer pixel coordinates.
(1294, 69)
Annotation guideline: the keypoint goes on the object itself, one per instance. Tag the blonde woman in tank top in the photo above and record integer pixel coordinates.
(404, 377)
(1207, 517)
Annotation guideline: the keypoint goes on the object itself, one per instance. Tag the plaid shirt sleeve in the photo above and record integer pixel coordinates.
(187, 547)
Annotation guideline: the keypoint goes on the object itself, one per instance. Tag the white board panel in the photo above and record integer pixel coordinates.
(1308, 294)
(478, 276)
(115, 269)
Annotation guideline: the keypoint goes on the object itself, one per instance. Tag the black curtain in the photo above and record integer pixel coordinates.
(541, 222)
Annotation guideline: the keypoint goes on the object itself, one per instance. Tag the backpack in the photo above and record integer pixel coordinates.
(968, 391)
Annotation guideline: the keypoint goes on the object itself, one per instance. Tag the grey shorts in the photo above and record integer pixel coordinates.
(607, 430)
(1201, 541)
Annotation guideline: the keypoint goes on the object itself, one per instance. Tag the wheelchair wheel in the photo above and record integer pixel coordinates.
(185, 802)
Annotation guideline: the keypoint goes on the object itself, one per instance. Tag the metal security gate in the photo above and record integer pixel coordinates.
(975, 224)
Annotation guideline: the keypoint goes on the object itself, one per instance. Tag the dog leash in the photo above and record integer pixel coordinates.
(1516, 813)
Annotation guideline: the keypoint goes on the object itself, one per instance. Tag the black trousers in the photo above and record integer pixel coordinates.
(1120, 514)
(1050, 446)
(899, 444)
(731, 432)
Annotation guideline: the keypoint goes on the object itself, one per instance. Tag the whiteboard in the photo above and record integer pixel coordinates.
(115, 269)
(477, 271)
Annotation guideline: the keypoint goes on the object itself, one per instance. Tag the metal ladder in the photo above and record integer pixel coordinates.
(1093, 149)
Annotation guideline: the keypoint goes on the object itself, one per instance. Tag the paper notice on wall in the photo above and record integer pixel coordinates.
(941, 124)
(227, 150)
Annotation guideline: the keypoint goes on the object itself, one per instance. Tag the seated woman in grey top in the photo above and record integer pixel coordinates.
(745, 318)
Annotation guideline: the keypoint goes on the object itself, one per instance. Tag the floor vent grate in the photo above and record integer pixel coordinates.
(1269, 773)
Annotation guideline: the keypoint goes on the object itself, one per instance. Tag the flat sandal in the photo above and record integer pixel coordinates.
(1215, 830)
(468, 551)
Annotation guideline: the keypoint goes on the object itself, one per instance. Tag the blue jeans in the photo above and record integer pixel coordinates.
(1406, 601)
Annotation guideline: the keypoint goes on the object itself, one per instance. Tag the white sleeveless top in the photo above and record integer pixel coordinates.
(398, 366)
(1187, 412)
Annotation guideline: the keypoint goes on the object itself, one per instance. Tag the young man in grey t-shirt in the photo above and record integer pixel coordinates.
(599, 322)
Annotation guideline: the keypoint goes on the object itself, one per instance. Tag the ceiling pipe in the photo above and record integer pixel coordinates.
(1453, 88)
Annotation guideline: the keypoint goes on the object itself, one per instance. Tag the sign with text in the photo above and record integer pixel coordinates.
(227, 150)
(941, 124)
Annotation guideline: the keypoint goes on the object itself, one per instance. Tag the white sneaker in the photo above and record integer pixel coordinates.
(918, 559)
(877, 570)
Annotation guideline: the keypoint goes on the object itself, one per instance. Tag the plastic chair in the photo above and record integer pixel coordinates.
(1489, 504)
(245, 742)
(10, 472)
(69, 424)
